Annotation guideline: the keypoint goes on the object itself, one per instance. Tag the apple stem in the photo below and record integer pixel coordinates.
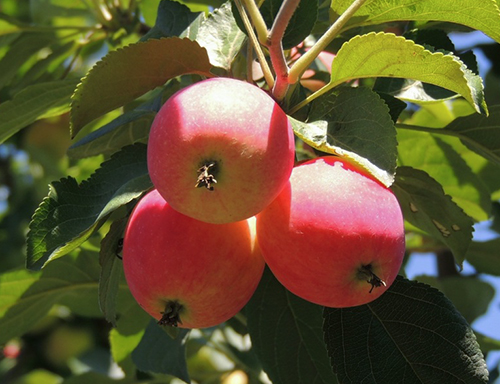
(365, 272)
(171, 315)
(206, 179)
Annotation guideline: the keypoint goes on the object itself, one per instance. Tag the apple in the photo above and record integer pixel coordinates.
(334, 236)
(220, 150)
(185, 272)
(12, 350)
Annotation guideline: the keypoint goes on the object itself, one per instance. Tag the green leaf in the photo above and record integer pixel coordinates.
(353, 123)
(49, 68)
(191, 32)
(484, 256)
(111, 269)
(39, 375)
(35, 102)
(88, 377)
(8, 26)
(14, 292)
(415, 91)
(396, 106)
(172, 19)
(411, 334)
(126, 129)
(159, 353)
(470, 295)
(425, 205)
(482, 15)
(487, 344)
(286, 335)
(20, 51)
(71, 212)
(387, 55)
(479, 133)
(84, 302)
(49, 12)
(127, 73)
(438, 39)
(495, 223)
(437, 156)
(221, 37)
(26, 296)
(129, 330)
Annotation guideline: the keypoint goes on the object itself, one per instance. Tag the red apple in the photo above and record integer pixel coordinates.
(185, 272)
(12, 350)
(334, 236)
(220, 150)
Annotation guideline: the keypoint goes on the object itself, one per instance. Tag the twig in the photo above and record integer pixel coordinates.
(268, 76)
(257, 20)
(275, 45)
(249, 63)
(306, 60)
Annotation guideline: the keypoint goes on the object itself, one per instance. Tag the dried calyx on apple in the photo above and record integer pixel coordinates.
(206, 175)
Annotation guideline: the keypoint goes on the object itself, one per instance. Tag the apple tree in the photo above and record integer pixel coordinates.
(378, 83)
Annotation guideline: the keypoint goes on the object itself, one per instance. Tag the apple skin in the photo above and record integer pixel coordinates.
(211, 270)
(330, 223)
(233, 124)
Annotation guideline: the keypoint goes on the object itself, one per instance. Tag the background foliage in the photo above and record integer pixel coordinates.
(399, 99)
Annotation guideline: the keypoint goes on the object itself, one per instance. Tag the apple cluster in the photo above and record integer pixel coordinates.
(227, 199)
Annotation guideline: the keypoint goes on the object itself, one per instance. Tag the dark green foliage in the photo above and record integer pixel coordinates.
(411, 334)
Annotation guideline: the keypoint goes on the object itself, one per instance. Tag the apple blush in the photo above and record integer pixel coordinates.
(185, 272)
(334, 236)
(220, 150)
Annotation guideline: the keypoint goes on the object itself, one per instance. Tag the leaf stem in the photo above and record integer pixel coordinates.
(99, 12)
(309, 99)
(57, 28)
(268, 75)
(275, 45)
(249, 63)
(72, 62)
(241, 318)
(131, 9)
(257, 20)
(306, 60)
(439, 131)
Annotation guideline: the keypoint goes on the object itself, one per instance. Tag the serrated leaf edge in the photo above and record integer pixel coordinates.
(52, 195)
(493, 3)
(480, 107)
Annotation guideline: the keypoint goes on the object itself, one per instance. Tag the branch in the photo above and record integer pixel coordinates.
(306, 60)
(268, 76)
(257, 20)
(274, 43)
